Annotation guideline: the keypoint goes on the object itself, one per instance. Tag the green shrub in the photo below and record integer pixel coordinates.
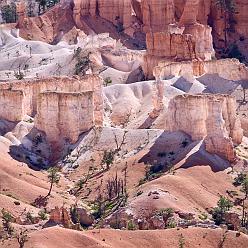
(223, 205)
(107, 81)
(131, 225)
(42, 214)
(239, 179)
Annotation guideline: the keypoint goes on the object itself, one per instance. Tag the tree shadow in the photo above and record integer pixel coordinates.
(33, 151)
(167, 148)
(176, 149)
(202, 158)
(147, 123)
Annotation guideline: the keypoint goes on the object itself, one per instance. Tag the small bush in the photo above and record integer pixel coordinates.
(165, 211)
(223, 205)
(203, 216)
(107, 81)
(131, 225)
(108, 158)
(19, 75)
(42, 214)
(7, 218)
(239, 179)
(30, 217)
(171, 223)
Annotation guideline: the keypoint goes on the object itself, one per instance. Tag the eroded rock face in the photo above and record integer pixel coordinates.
(190, 11)
(11, 105)
(64, 116)
(60, 216)
(233, 219)
(56, 21)
(21, 12)
(63, 107)
(115, 11)
(230, 69)
(195, 43)
(157, 14)
(209, 117)
(32, 89)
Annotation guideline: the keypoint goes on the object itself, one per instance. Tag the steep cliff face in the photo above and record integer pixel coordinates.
(64, 116)
(11, 105)
(230, 69)
(205, 21)
(199, 9)
(190, 11)
(56, 21)
(209, 117)
(195, 43)
(118, 12)
(166, 46)
(32, 89)
(157, 14)
(241, 18)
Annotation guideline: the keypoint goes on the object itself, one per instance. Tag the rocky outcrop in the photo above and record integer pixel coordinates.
(56, 21)
(209, 117)
(64, 116)
(63, 107)
(60, 216)
(32, 89)
(157, 98)
(157, 14)
(85, 217)
(118, 12)
(230, 69)
(11, 105)
(194, 43)
(232, 219)
(21, 12)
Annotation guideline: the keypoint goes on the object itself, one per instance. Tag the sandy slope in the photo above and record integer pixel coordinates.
(188, 190)
(20, 183)
(192, 238)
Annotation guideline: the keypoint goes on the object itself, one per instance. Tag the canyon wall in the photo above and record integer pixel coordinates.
(195, 43)
(64, 116)
(205, 21)
(157, 14)
(118, 12)
(172, 38)
(209, 117)
(153, 15)
(48, 26)
(32, 89)
(63, 107)
(11, 105)
(230, 69)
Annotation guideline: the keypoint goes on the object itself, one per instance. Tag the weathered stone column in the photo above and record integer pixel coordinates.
(21, 13)
(157, 98)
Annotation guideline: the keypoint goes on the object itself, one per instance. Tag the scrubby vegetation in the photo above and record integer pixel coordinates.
(54, 177)
(223, 205)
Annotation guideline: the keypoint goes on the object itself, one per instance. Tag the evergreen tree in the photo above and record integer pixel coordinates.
(9, 13)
